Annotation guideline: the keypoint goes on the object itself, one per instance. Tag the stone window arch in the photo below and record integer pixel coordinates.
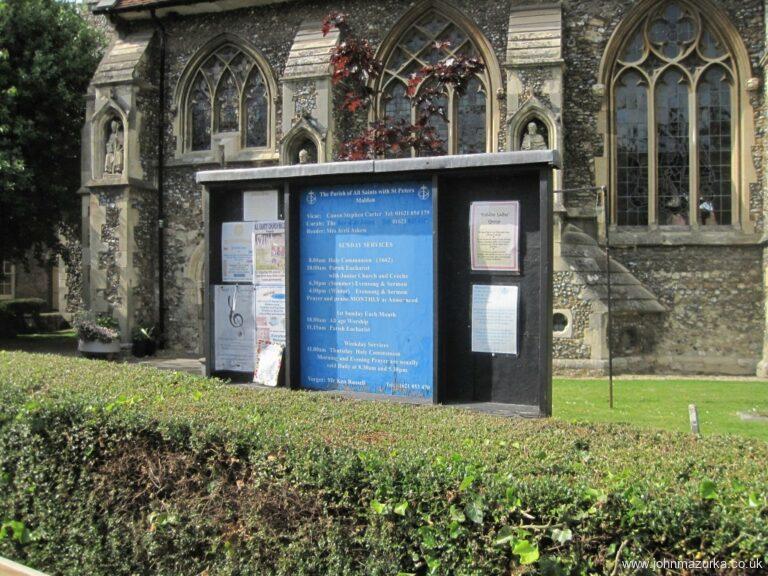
(675, 75)
(473, 117)
(225, 98)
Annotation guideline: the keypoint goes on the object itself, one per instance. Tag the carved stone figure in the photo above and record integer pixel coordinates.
(532, 139)
(303, 156)
(113, 158)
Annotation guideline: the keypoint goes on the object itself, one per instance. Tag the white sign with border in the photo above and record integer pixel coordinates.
(494, 230)
(234, 328)
(494, 319)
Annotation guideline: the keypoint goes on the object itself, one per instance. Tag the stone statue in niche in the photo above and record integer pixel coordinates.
(305, 152)
(532, 139)
(114, 149)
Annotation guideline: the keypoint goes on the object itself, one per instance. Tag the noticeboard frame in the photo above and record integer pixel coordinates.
(222, 186)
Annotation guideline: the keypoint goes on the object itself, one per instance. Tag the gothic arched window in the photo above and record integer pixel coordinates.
(673, 95)
(228, 94)
(468, 128)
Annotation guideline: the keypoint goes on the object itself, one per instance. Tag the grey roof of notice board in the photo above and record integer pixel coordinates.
(584, 256)
(432, 164)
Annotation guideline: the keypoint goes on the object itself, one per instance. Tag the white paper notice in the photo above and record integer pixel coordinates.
(237, 252)
(261, 205)
(494, 319)
(270, 314)
(494, 229)
(270, 358)
(234, 328)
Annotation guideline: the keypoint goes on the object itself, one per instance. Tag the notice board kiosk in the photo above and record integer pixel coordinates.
(428, 279)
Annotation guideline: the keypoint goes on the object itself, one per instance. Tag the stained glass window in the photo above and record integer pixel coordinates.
(200, 114)
(466, 128)
(441, 132)
(229, 94)
(715, 184)
(471, 119)
(227, 101)
(673, 147)
(632, 150)
(674, 58)
(256, 111)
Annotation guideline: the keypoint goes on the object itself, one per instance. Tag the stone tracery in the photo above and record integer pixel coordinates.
(673, 97)
(228, 94)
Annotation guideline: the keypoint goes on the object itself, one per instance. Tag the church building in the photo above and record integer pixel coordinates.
(657, 108)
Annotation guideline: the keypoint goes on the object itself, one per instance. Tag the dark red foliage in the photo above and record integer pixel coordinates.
(354, 62)
(390, 137)
(355, 68)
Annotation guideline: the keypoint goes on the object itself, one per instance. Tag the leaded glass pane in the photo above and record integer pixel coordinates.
(256, 111)
(471, 120)
(632, 150)
(715, 147)
(417, 48)
(200, 114)
(213, 69)
(673, 155)
(227, 104)
(710, 45)
(634, 49)
(397, 105)
(433, 23)
(441, 129)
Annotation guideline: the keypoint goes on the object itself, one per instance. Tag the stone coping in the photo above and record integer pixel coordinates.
(394, 166)
(11, 568)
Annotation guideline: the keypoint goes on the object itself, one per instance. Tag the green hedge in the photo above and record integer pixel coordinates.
(112, 469)
(20, 315)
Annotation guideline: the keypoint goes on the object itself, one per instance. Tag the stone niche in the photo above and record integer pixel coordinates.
(308, 97)
(109, 155)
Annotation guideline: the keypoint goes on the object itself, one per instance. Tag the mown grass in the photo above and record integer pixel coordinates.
(663, 404)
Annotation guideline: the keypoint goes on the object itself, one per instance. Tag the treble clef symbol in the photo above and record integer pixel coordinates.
(235, 318)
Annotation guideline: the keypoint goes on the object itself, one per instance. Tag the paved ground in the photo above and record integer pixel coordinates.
(163, 361)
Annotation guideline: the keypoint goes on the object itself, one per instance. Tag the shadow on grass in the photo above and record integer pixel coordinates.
(63, 342)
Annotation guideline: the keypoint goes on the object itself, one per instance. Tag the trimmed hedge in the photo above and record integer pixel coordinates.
(20, 315)
(113, 469)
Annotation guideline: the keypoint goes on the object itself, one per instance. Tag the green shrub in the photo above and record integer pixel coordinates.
(7, 324)
(24, 313)
(110, 469)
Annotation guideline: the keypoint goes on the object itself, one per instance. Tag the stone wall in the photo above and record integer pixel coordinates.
(568, 296)
(714, 294)
(271, 30)
(715, 300)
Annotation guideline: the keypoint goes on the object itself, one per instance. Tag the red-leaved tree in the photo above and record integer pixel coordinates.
(355, 71)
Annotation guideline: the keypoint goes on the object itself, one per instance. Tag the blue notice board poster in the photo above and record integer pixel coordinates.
(367, 288)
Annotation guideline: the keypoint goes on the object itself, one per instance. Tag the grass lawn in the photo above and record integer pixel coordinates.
(63, 342)
(664, 404)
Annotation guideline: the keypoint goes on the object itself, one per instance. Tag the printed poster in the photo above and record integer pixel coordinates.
(270, 313)
(234, 328)
(268, 252)
(494, 230)
(237, 252)
(494, 319)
